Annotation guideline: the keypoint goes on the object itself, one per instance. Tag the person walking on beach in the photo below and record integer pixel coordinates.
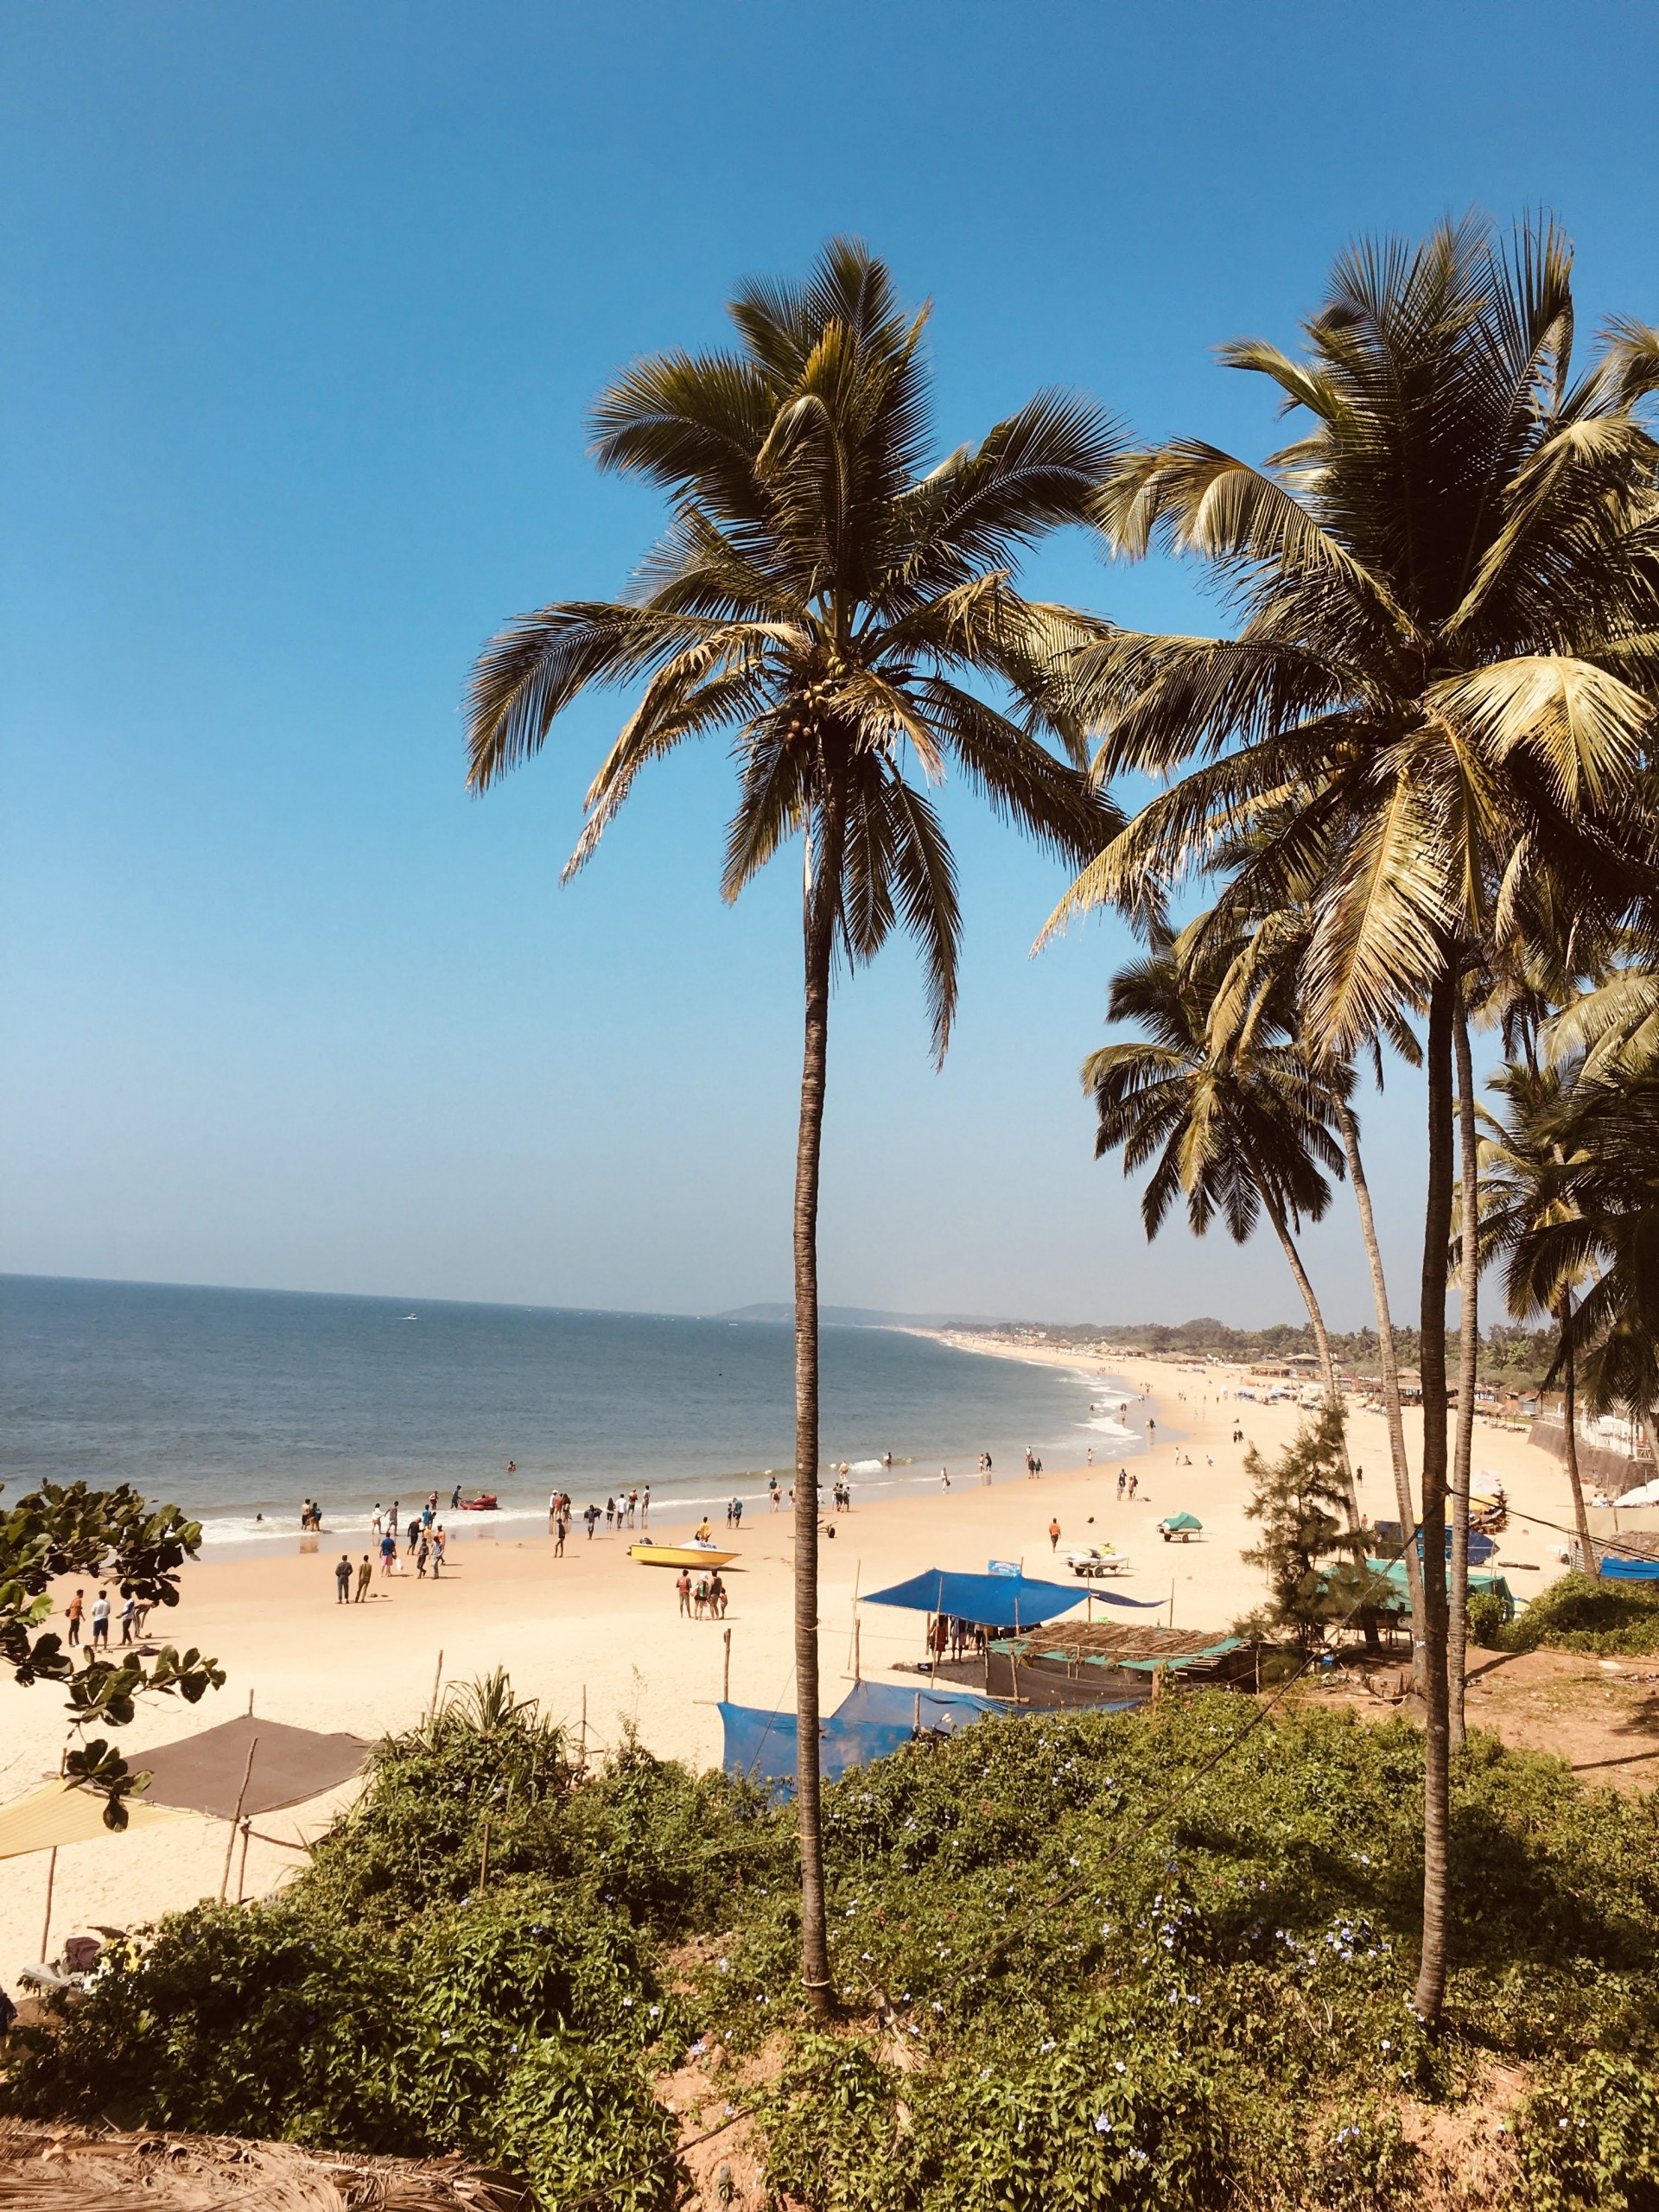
(772, 1490)
(388, 1553)
(343, 1580)
(683, 1585)
(391, 1521)
(645, 1507)
(1053, 1536)
(561, 1528)
(591, 1517)
(375, 1524)
(1031, 1464)
(944, 1478)
(365, 1575)
(439, 1545)
(1134, 1482)
(73, 1610)
(416, 1531)
(717, 1596)
(633, 1501)
(1123, 1478)
(700, 1598)
(421, 1558)
(610, 1513)
(100, 1618)
(1089, 1460)
(129, 1614)
(454, 1496)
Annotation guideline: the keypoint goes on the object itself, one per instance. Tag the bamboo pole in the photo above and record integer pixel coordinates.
(242, 1863)
(46, 1929)
(725, 1679)
(857, 1628)
(436, 1678)
(236, 1820)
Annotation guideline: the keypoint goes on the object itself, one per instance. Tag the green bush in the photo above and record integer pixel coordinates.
(1589, 2139)
(1580, 1612)
(1488, 1618)
(1086, 1960)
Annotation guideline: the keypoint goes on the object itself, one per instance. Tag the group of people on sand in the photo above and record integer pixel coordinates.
(426, 1547)
(948, 1637)
(626, 1512)
(135, 1612)
(705, 1598)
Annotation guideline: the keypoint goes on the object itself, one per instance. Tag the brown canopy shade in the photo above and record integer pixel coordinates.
(204, 1773)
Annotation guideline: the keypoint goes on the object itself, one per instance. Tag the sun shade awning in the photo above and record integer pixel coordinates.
(60, 1814)
(987, 1600)
(204, 1773)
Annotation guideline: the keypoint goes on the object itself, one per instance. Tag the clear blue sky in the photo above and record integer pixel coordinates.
(303, 305)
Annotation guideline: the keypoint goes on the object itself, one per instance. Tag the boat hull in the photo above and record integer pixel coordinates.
(678, 1555)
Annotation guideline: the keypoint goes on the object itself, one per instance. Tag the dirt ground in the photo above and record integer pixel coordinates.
(1600, 1715)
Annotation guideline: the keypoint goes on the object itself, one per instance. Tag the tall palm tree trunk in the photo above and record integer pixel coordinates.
(1389, 1359)
(1437, 1231)
(1321, 1337)
(821, 879)
(1570, 1440)
(1457, 1624)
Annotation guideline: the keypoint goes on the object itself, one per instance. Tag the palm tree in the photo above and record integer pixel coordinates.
(1529, 1216)
(1263, 975)
(1239, 1128)
(1440, 687)
(835, 605)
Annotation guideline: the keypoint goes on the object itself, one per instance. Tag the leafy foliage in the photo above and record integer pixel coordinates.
(1090, 1959)
(1580, 1612)
(66, 1529)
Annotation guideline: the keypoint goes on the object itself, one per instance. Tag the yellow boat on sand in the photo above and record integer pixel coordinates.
(679, 1555)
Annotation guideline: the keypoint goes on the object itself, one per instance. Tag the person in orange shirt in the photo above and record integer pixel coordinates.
(74, 1611)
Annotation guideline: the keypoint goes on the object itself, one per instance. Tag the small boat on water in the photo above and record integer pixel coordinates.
(679, 1555)
(485, 1501)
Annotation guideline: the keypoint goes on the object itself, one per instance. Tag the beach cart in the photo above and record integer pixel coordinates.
(1184, 1525)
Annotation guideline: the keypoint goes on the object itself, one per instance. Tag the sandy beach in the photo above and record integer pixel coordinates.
(595, 1623)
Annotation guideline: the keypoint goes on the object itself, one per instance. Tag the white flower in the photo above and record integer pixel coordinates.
(1103, 2125)
(725, 1965)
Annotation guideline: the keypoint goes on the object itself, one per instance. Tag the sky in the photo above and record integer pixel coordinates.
(303, 307)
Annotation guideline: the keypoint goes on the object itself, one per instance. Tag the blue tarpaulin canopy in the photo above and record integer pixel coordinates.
(987, 1600)
(1631, 1570)
(874, 1719)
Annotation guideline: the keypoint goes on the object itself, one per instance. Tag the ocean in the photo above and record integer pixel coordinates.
(238, 1404)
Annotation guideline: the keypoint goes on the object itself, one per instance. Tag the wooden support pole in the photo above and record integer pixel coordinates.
(242, 1863)
(236, 1820)
(436, 1679)
(1171, 1601)
(726, 1678)
(582, 1760)
(46, 1928)
(857, 1656)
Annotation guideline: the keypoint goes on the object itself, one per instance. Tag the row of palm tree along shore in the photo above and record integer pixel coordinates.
(1416, 778)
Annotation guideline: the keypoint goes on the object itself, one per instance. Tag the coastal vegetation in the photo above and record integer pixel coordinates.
(1156, 1959)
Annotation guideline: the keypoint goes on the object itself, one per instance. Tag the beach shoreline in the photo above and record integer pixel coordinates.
(596, 1629)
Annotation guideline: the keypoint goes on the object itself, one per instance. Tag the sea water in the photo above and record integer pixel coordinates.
(238, 1404)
